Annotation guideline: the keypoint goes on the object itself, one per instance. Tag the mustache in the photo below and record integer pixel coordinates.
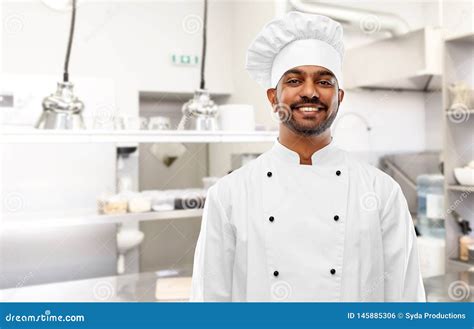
(308, 102)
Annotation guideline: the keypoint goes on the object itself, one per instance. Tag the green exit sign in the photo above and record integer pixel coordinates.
(183, 59)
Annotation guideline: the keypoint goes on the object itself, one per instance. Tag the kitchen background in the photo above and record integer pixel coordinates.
(408, 68)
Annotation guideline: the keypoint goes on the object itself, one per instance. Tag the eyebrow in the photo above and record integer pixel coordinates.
(319, 72)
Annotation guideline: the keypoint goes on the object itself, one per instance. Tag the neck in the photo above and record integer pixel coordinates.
(305, 146)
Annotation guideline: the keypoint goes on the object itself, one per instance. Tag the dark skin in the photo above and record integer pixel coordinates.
(302, 87)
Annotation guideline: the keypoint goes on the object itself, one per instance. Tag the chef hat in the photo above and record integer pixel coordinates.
(293, 40)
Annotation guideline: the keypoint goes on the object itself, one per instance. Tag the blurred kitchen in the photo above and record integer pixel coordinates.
(104, 203)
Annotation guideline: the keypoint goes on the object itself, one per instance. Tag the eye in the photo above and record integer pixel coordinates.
(292, 81)
(325, 83)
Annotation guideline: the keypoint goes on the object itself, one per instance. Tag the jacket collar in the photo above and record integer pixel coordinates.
(326, 156)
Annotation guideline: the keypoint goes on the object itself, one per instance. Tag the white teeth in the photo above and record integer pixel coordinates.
(309, 109)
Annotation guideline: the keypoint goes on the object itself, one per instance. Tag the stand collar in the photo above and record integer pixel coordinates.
(322, 157)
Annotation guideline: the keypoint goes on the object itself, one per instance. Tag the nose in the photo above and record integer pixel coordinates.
(309, 90)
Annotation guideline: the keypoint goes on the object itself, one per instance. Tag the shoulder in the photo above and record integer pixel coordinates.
(382, 185)
(238, 180)
(379, 178)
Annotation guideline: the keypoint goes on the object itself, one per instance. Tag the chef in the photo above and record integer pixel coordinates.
(305, 221)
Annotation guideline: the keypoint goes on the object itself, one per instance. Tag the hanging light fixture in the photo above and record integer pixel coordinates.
(63, 110)
(200, 113)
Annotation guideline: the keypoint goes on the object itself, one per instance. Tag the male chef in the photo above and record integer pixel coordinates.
(305, 221)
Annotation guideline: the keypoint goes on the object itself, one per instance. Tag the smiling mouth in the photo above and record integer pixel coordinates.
(310, 108)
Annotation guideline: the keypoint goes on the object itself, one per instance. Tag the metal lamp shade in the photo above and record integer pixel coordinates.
(62, 110)
(199, 113)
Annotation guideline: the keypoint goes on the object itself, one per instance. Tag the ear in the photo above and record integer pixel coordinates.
(340, 95)
(271, 95)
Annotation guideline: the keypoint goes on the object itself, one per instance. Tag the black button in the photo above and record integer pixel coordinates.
(271, 219)
(269, 174)
(336, 218)
(333, 271)
(275, 273)
(338, 172)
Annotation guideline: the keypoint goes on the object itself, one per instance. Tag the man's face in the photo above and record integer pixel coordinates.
(309, 96)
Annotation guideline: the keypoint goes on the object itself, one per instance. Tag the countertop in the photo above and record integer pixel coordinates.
(141, 287)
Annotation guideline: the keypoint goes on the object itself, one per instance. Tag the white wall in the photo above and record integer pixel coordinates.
(128, 41)
(433, 121)
(457, 16)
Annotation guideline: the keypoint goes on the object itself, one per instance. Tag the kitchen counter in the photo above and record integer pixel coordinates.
(140, 287)
(451, 287)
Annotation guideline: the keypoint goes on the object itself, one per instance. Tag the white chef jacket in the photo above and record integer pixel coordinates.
(336, 230)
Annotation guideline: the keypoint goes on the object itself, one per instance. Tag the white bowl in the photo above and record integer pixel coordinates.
(464, 176)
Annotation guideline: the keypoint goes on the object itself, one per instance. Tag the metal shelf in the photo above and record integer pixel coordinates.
(415, 62)
(457, 49)
(88, 217)
(466, 266)
(9, 136)
(459, 116)
(461, 188)
(454, 112)
(467, 37)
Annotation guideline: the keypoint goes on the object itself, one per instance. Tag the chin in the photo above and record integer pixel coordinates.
(306, 130)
